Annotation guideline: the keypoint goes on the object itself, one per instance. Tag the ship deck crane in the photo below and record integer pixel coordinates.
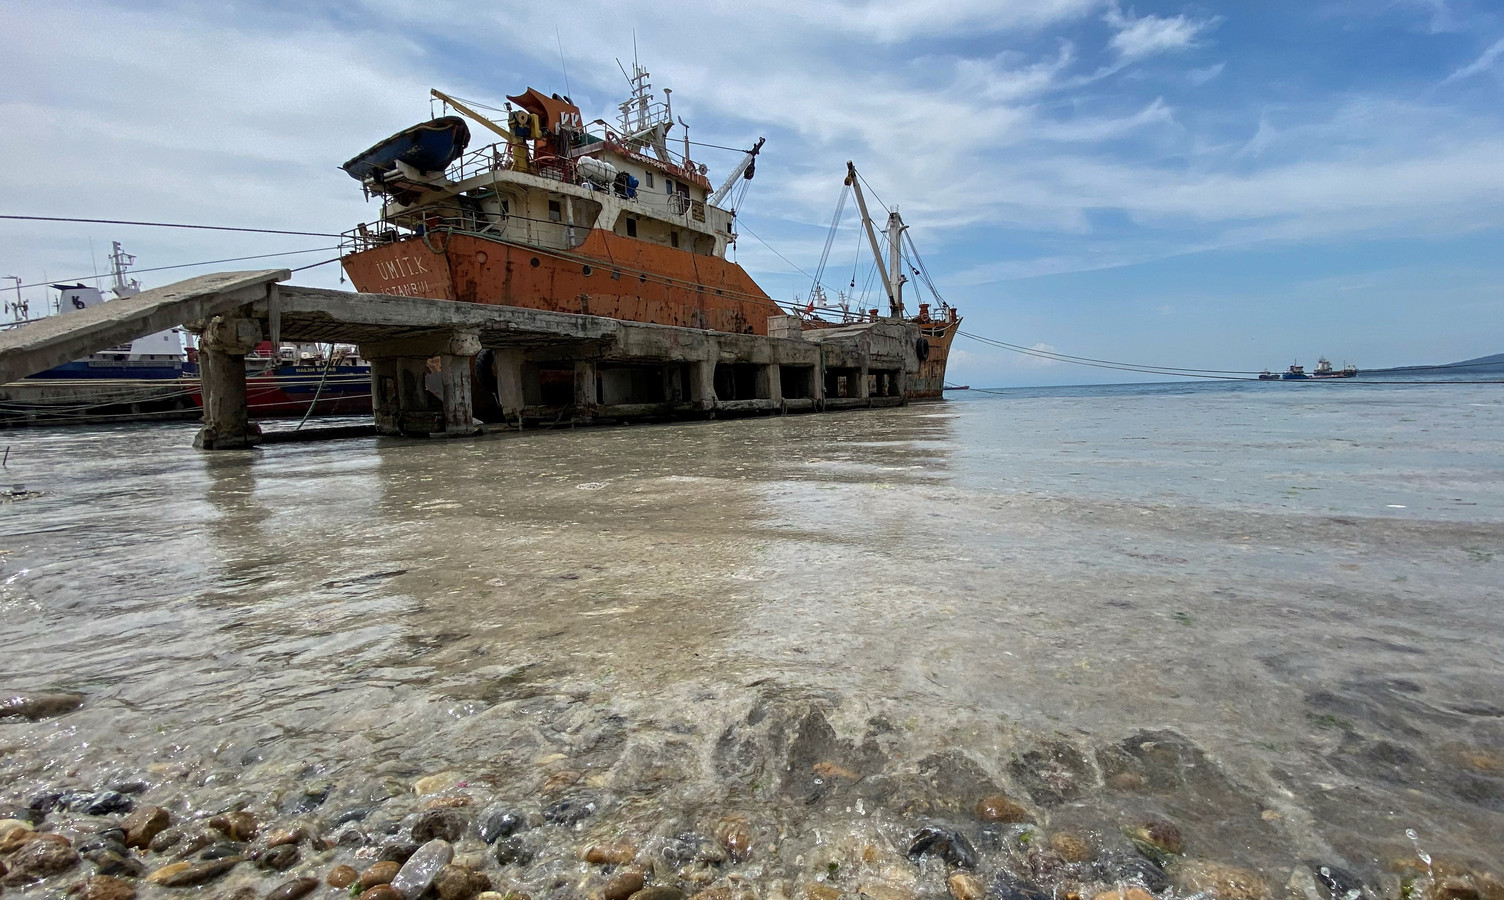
(744, 169)
(519, 147)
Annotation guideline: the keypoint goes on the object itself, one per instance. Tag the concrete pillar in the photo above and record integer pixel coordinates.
(770, 383)
(457, 375)
(222, 350)
(702, 383)
(585, 390)
(509, 393)
(386, 395)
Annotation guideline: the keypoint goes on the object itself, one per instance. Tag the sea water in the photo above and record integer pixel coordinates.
(1269, 612)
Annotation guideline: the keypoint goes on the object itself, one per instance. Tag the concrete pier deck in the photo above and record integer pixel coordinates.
(441, 367)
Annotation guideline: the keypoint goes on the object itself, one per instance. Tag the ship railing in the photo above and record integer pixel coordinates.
(434, 223)
(481, 162)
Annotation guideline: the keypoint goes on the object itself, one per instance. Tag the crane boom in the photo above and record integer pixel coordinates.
(744, 169)
(894, 307)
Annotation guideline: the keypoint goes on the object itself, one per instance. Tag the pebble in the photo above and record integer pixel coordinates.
(418, 872)
(878, 890)
(1129, 894)
(15, 838)
(511, 850)
(237, 826)
(187, 874)
(1006, 887)
(965, 887)
(342, 877)
(398, 852)
(1133, 869)
(102, 887)
(659, 892)
(36, 707)
(101, 803)
(223, 850)
(999, 808)
(443, 823)
(279, 858)
(382, 892)
(1339, 883)
(946, 843)
(1157, 838)
(499, 822)
(109, 862)
(143, 825)
(46, 854)
(736, 837)
(610, 854)
(1071, 847)
(283, 836)
(292, 890)
(812, 891)
(1225, 881)
(569, 811)
(455, 882)
(433, 784)
(622, 886)
(166, 839)
(379, 873)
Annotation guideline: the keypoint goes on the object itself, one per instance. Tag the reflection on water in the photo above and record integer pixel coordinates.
(1270, 616)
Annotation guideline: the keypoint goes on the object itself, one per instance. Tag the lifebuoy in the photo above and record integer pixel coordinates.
(922, 349)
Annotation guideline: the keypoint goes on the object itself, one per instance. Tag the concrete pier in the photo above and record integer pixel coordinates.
(445, 368)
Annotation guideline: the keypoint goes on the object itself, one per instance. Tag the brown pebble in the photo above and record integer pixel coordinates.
(286, 836)
(817, 891)
(659, 892)
(144, 824)
(1454, 888)
(736, 837)
(382, 892)
(459, 882)
(1129, 894)
(1159, 834)
(965, 887)
(379, 873)
(878, 890)
(16, 838)
(610, 854)
(244, 892)
(342, 876)
(998, 808)
(188, 874)
(1126, 781)
(42, 856)
(237, 826)
(103, 887)
(1072, 848)
(622, 886)
(713, 893)
(450, 802)
(1225, 881)
(292, 890)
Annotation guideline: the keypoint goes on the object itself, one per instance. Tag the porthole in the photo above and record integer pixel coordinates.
(586, 269)
(534, 262)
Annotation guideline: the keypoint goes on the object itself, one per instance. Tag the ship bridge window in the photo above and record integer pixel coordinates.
(555, 211)
(631, 227)
(673, 238)
(647, 179)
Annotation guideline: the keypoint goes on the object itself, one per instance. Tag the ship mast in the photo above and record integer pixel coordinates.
(895, 299)
(119, 262)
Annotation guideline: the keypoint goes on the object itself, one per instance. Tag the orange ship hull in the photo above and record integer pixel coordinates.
(607, 275)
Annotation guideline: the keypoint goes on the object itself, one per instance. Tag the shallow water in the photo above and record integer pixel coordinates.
(1269, 612)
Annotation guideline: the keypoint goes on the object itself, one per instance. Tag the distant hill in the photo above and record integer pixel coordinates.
(1481, 363)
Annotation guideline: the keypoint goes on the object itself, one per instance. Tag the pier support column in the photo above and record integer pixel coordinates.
(586, 390)
(386, 395)
(770, 383)
(221, 357)
(862, 392)
(507, 364)
(457, 371)
(701, 387)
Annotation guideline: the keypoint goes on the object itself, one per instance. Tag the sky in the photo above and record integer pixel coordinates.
(1232, 186)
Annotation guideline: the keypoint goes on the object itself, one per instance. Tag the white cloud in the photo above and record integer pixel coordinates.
(1141, 37)
(1480, 65)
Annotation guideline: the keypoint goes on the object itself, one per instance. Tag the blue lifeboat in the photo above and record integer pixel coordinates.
(427, 147)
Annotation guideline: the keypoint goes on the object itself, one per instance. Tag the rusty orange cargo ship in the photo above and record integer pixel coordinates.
(603, 221)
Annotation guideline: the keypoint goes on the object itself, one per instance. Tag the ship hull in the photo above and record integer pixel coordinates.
(607, 275)
(929, 384)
